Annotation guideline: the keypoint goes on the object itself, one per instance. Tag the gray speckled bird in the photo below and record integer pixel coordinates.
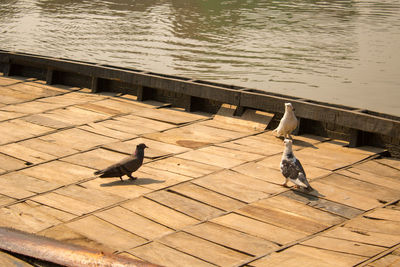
(292, 169)
(126, 166)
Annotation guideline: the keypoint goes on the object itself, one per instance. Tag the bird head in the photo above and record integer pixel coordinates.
(287, 142)
(289, 107)
(141, 146)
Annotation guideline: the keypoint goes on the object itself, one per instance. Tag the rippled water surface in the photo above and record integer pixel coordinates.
(346, 52)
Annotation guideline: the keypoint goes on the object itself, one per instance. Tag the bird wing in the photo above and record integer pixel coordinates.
(293, 170)
(117, 169)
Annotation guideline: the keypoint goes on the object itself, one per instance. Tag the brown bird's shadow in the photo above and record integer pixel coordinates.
(303, 143)
(138, 181)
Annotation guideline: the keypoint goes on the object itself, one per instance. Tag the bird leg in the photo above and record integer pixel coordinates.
(121, 178)
(285, 183)
(131, 177)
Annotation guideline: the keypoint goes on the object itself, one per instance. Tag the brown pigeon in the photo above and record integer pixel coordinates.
(126, 166)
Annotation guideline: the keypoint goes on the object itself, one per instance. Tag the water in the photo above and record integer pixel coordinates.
(343, 52)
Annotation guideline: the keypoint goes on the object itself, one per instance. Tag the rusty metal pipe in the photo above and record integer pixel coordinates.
(61, 253)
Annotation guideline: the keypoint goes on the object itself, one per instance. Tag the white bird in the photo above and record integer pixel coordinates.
(292, 169)
(288, 122)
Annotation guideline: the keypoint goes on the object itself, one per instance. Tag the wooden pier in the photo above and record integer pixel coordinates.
(209, 193)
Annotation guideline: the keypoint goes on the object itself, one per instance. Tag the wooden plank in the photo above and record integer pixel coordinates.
(362, 236)
(323, 204)
(292, 206)
(346, 197)
(169, 115)
(4, 81)
(18, 129)
(299, 141)
(393, 162)
(362, 188)
(238, 186)
(307, 256)
(106, 233)
(207, 196)
(388, 260)
(377, 226)
(166, 256)
(10, 163)
(194, 136)
(188, 206)
(9, 260)
(66, 204)
(77, 139)
(73, 98)
(5, 200)
(48, 147)
(32, 107)
(95, 159)
(345, 246)
(379, 169)
(134, 223)
(89, 195)
(155, 149)
(159, 213)
(18, 150)
(8, 115)
(69, 236)
(385, 214)
(124, 189)
(24, 182)
(203, 249)
(101, 129)
(49, 211)
(211, 159)
(282, 219)
(232, 239)
(35, 90)
(258, 228)
(155, 179)
(59, 172)
(47, 120)
(389, 182)
(220, 156)
(98, 108)
(75, 116)
(123, 107)
(252, 144)
(183, 167)
(26, 217)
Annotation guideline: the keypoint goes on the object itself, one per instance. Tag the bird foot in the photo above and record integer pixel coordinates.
(132, 178)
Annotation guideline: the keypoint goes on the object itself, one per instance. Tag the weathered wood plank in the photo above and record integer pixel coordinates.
(77, 139)
(31, 107)
(24, 182)
(59, 172)
(379, 169)
(8, 115)
(385, 214)
(345, 246)
(207, 196)
(258, 228)
(188, 206)
(232, 239)
(183, 167)
(373, 225)
(101, 129)
(159, 213)
(125, 189)
(18, 150)
(105, 233)
(166, 256)
(362, 188)
(388, 260)
(155, 149)
(238, 186)
(95, 159)
(10, 163)
(169, 115)
(307, 256)
(385, 181)
(203, 249)
(323, 204)
(134, 223)
(8, 260)
(362, 236)
(48, 147)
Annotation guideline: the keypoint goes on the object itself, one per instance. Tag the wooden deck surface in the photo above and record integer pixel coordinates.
(209, 193)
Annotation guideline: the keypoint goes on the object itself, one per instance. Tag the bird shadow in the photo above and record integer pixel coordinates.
(303, 143)
(312, 195)
(139, 181)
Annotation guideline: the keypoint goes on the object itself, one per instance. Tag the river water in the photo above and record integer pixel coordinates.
(343, 52)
